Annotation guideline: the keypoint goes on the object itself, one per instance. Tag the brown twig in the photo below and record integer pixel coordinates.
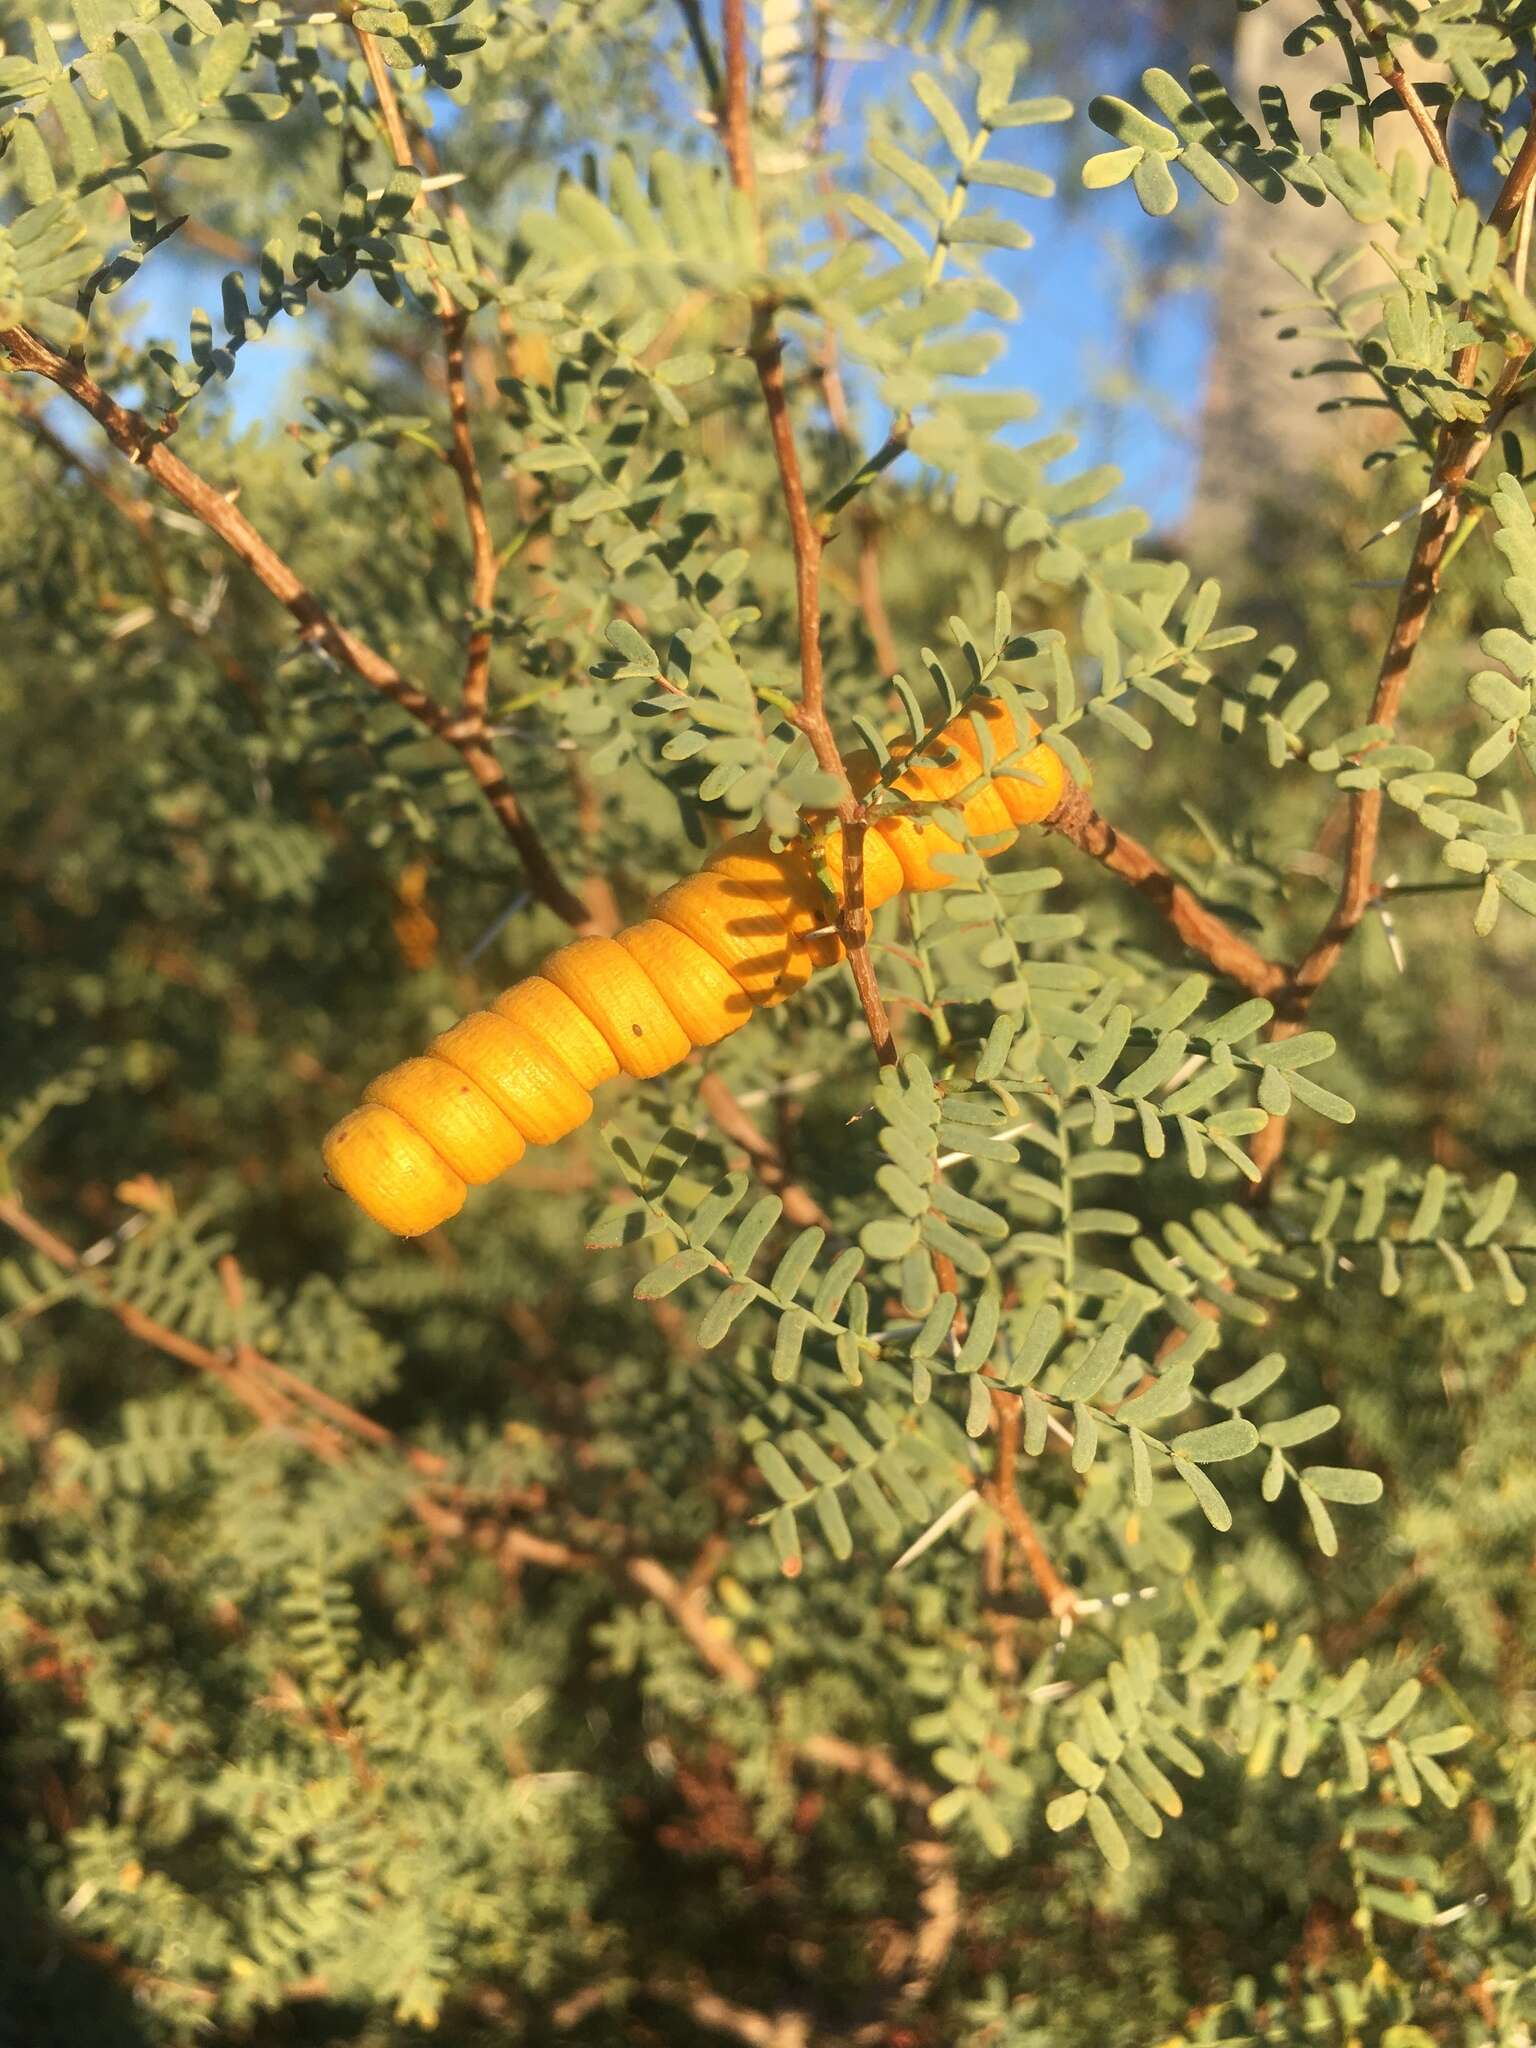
(1407, 93)
(872, 595)
(735, 111)
(767, 352)
(695, 1621)
(273, 1394)
(1462, 447)
(485, 564)
(939, 1888)
(866, 525)
(1060, 1600)
(651, 1577)
(858, 1762)
(1075, 819)
(811, 713)
(269, 1406)
(800, 1206)
(267, 1402)
(131, 433)
(1419, 114)
(389, 103)
(522, 1544)
(1521, 173)
(1415, 600)
(706, 2008)
(768, 355)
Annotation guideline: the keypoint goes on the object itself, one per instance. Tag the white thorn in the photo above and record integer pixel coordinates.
(1413, 512)
(498, 924)
(955, 1512)
(948, 1159)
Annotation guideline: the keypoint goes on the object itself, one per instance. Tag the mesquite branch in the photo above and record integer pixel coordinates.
(1058, 1596)
(132, 435)
(485, 565)
(1461, 449)
(1075, 818)
(1227, 951)
(1292, 989)
(767, 1161)
(805, 538)
(274, 1396)
(1407, 94)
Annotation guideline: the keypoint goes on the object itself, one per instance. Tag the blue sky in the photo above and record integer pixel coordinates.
(1069, 344)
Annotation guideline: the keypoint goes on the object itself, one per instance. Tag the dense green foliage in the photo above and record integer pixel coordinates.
(1016, 1583)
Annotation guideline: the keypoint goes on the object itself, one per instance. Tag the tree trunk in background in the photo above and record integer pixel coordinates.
(1264, 445)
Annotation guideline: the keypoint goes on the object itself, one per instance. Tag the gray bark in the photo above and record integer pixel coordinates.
(1265, 448)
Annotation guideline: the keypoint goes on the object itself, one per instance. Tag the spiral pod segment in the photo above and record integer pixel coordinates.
(745, 933)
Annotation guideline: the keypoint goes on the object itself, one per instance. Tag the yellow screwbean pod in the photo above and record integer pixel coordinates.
(549, 1014)
(783, 882)
(706, 999)
(780, 878)
(918, 842)
(522, 1076)
(391, 1171)
(987, 817)
(617, 995)
(1027, 801)
(453, 1114)
(1032, 801)
(746, 932)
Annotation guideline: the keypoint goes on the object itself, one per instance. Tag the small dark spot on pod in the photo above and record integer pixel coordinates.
(639, 1033)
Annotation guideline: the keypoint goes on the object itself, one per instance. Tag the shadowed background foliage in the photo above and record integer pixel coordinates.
(607, 1617)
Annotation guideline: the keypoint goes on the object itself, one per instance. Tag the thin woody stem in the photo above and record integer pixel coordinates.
(1058, 1596)
(805, 539)
(1407, 93)
(135, 438)
(1415, 600)
(768, 356)
(485, 562)
(273, 1394)
(735, 112)
(867, 527)
(652, 1578)
(1075, 819)
(270, 1406)
(1521, 175)
(1462, 448)
(389, 103)
(800, 1206)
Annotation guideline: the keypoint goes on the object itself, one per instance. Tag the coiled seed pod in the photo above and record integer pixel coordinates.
(743, 934)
